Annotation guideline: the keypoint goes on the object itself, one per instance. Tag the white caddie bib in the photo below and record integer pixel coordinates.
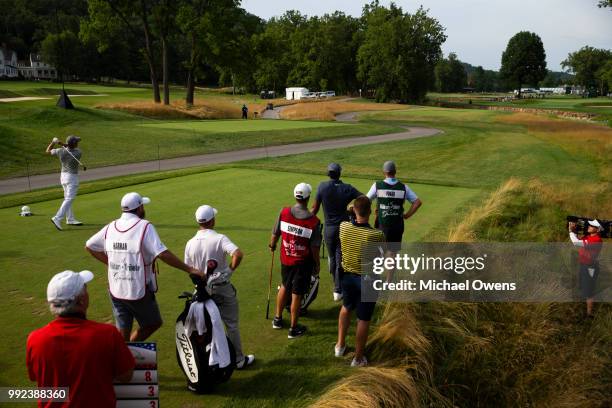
(293, 229)
(126, 266)
(391, 194)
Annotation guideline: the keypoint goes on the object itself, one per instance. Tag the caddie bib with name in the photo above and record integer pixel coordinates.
(295, 237)
(126, 266)
(390, 202)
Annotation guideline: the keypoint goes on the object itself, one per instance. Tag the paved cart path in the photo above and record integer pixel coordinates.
(21, 184)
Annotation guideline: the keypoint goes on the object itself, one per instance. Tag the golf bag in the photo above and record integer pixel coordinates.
(582, 224)
(193, 352)
(309, 296)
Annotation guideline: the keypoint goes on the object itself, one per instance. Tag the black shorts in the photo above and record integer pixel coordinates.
(296, 278)
(588, 282)
(393, 235)
(351, 297)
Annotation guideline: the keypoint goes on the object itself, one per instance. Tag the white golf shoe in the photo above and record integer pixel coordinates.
(57, 223)
(339, 351)
(246, 361)
(74, 222)
(359, 363)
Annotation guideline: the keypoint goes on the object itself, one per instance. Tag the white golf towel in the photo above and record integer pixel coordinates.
(196, 321)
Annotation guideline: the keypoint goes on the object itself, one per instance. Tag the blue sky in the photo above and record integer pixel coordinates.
(478, 30)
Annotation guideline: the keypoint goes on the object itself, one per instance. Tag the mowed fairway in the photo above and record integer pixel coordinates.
(286, 373)
(239, 125)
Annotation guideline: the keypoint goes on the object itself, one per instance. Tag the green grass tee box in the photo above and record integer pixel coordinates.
(285, 373)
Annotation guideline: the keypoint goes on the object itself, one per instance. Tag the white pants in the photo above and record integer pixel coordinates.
(70, 184)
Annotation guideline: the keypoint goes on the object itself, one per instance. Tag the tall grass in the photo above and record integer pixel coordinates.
(317, 110)
(494, 354)
(211, 108)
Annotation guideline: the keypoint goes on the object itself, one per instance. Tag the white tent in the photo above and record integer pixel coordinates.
(296, 93)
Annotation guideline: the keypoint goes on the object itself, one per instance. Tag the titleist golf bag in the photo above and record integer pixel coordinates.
(309, 296)
(193, 352)
(582, 224)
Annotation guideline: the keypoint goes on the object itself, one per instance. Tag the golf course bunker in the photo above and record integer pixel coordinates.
(248, 202)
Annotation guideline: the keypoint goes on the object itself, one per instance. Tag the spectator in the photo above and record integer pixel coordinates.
(74, 352)
(590, 247)
(354, 238)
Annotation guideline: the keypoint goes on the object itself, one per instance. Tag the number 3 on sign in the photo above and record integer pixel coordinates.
(153, 404)
(151, 391)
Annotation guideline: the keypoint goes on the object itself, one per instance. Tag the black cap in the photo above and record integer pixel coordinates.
(334, 170)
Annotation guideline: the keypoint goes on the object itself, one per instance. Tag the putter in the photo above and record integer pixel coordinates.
(269, 287)
(84, 168)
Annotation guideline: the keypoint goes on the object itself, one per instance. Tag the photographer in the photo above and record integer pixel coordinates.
(590, 247)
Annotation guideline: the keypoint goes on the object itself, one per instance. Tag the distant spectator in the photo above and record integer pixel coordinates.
(588, 255)
(74, 352)
(245, 112)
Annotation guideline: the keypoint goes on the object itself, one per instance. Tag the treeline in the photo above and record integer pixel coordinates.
(386, 53)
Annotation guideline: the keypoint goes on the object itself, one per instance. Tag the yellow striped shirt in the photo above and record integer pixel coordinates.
(353, 241)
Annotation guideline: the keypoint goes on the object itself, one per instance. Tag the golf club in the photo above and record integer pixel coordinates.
(270, 287)
(84, 168)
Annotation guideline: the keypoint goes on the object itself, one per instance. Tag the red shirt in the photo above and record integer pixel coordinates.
(78, 353)
(588, 254)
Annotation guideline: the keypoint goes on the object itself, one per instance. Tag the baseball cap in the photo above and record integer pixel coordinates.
(595, 223)
(131, 201)
(334, 167)
(389, 166)
(65, 286)
(72, 139)
(205, 213)
(302, 191)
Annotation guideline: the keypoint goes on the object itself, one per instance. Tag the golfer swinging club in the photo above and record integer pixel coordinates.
(69, 155)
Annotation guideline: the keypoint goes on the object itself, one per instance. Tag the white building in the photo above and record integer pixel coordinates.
(35, 68)
(296, 93)
(8, 63)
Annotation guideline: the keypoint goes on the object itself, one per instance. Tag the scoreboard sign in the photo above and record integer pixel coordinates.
(143, 389)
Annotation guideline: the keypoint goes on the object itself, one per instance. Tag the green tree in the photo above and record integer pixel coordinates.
(450, 74)
(586, 64)
(273, 48)
(524, 60)
(399, 52)
(62, 51)
(604, 3)
(134, 16)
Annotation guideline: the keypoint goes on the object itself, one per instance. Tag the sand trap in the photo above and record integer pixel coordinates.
(22, 98)
(598, 106)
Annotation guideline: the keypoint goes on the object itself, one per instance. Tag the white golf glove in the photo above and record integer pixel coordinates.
(55, 140)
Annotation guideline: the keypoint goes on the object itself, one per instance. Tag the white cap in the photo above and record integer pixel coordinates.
(302, 191)
(25, 210)
(131, 201)
(205, 213)
(595, 223)
(65, 286)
